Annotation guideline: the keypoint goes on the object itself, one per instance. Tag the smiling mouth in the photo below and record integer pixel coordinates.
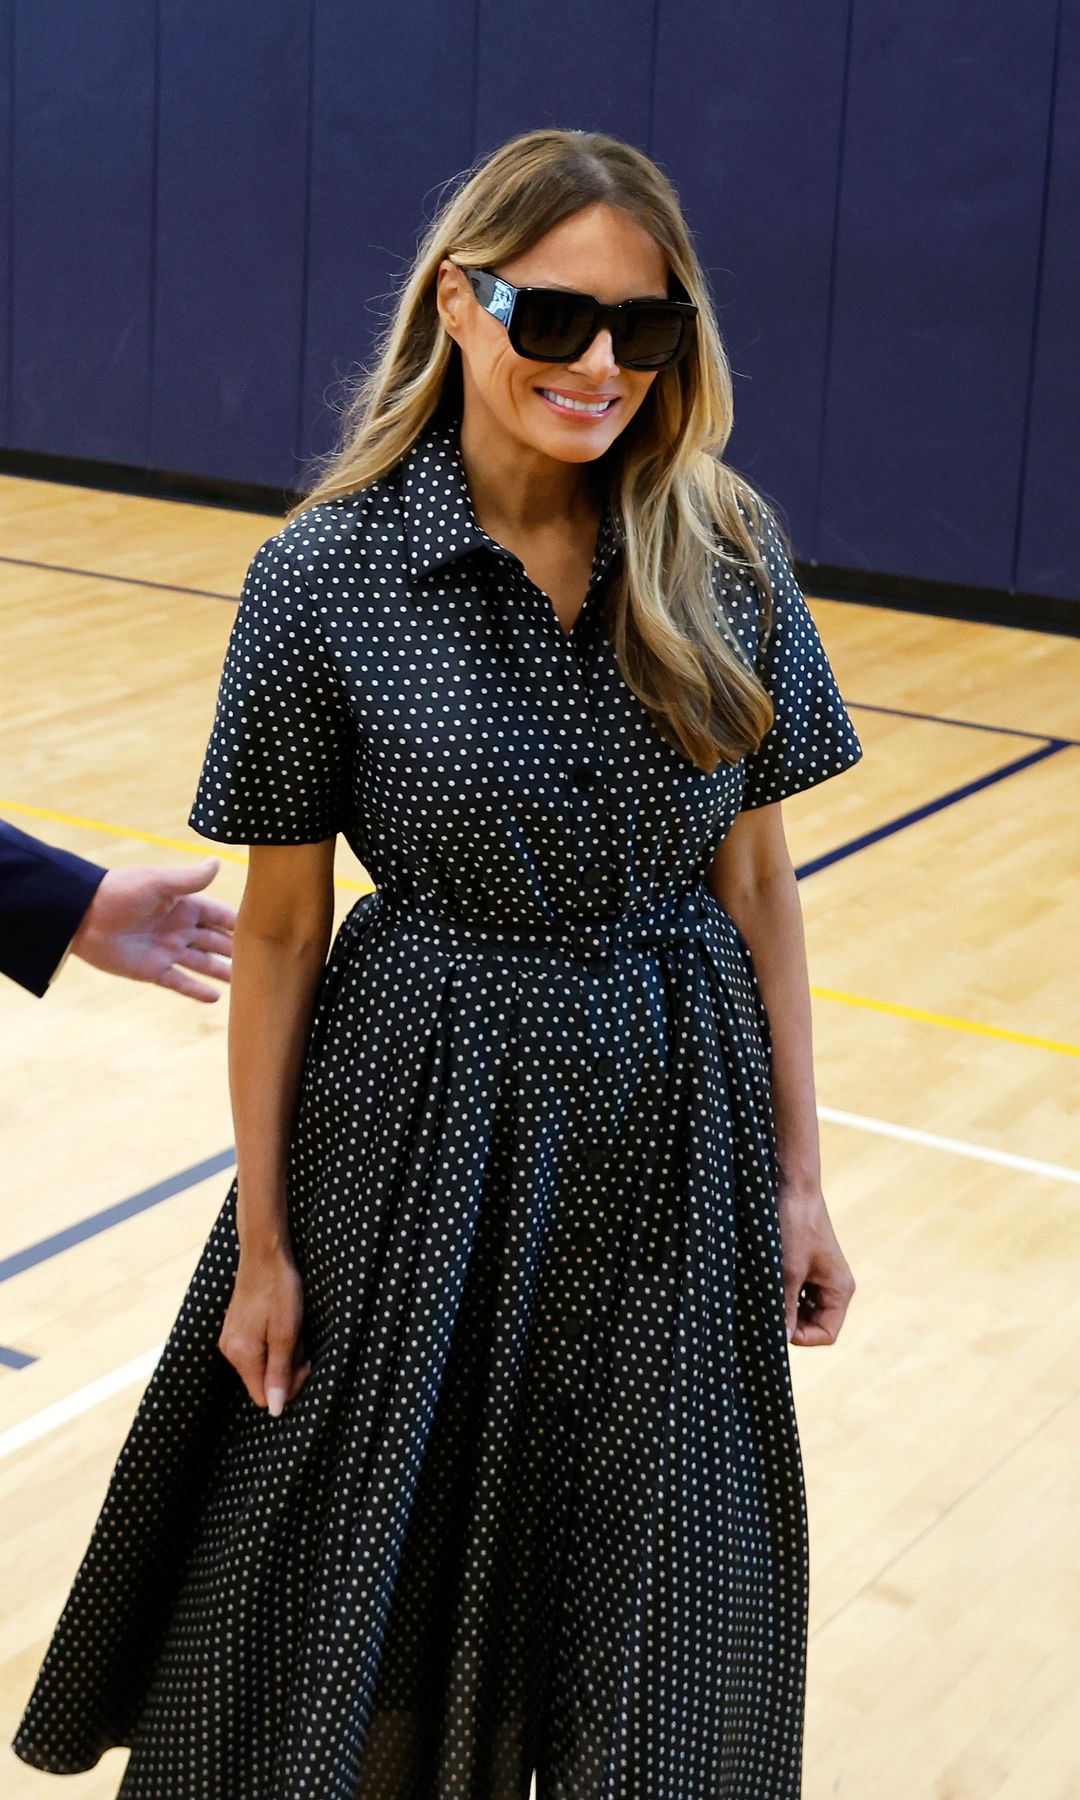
(580, 405)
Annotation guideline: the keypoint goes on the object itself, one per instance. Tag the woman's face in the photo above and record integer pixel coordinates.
(601, 251)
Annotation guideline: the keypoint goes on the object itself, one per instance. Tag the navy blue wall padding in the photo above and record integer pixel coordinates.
(208, 210)
(937, 253)
(750, 135)
(392, 119)
(1049, 537)
(85, 102)
(7, 40)
(231, 238)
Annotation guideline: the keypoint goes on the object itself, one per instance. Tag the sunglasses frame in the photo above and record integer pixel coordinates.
(499, 297)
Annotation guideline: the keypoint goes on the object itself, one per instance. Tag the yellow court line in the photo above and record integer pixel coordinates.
(950, 1021)
(153, 837)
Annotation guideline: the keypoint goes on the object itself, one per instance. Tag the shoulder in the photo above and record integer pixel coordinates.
(339, 541)
(785, 604)
(741, 603)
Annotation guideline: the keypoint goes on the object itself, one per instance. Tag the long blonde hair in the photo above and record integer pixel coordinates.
(680, 506)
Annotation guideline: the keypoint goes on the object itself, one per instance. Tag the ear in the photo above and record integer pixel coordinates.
(448, 294)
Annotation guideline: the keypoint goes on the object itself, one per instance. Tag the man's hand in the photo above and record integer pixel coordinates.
(152, 924)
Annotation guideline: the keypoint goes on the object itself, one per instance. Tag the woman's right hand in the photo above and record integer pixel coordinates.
(261, 1335)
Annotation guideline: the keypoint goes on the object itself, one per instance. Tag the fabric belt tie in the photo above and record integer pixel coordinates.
(673, 917)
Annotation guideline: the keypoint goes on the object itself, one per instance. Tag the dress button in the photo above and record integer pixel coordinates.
(573, 1328)
(595, 1154)
(605, 1064)
(583, 775)
(591, 875)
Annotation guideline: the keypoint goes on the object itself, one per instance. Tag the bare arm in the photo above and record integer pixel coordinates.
(753, 879)
(283, 930)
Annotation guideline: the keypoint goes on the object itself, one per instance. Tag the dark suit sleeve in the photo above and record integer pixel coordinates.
(44, 895)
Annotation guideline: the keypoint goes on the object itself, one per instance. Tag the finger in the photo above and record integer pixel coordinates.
(279, 1378)
(279, 1390)
(190, 918)
(174, 977)
(819, 1324)
(187, 878)
(203, 961)
(196, 934)
(808, 1336)
(215, 915)
(793, 1285)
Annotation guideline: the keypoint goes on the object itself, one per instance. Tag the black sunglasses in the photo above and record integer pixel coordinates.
(551, 325)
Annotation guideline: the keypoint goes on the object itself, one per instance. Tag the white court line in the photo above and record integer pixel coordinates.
(1005, 1159)
(141, 1367)
(36, 1426)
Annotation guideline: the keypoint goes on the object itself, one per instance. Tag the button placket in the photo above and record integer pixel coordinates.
(585, 776)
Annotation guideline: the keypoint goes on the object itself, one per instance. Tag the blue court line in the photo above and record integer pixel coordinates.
(60, 1241)
(1049, 748)
(110, 1215)
(114, 1215)
(144, 581)
(907, 712)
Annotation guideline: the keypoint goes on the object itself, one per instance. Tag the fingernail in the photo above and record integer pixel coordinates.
(276, 1398)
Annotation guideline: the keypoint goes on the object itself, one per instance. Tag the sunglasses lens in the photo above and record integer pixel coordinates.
(651, 337)
(550, 327)
(555, 328)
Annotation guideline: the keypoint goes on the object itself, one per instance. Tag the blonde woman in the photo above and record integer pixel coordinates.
(472, 1450)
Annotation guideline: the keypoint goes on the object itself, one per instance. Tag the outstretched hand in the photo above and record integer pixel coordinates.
(152, 924)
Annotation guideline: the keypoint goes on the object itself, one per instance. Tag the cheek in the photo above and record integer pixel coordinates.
(491, 362)
(501, 372)
(636, 396)
(504, 362)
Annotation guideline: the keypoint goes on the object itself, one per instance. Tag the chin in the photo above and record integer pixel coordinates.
(562, 447)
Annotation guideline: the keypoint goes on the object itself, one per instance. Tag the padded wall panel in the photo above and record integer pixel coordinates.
(944, 155)
(209, 210)
(393, 120)
(747, 121)
(230, 249)
(1049, 548)
(82, 228)
(7, 99)
(598, 79)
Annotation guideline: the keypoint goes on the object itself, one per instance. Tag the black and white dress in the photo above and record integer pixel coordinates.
(540, 1502)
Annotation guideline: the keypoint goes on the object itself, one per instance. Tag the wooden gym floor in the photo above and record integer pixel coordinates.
(940, 883)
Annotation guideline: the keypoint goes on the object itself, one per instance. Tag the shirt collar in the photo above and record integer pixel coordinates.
(440, 523)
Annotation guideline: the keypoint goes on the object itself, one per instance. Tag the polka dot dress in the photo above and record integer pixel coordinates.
(539, 1505)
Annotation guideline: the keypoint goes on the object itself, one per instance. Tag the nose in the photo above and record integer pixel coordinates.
(598, 358)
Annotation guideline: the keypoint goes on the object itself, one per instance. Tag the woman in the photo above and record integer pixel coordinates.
(472, 1449)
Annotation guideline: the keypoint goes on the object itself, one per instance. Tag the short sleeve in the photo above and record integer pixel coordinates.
(276, 766)
(812, 736)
